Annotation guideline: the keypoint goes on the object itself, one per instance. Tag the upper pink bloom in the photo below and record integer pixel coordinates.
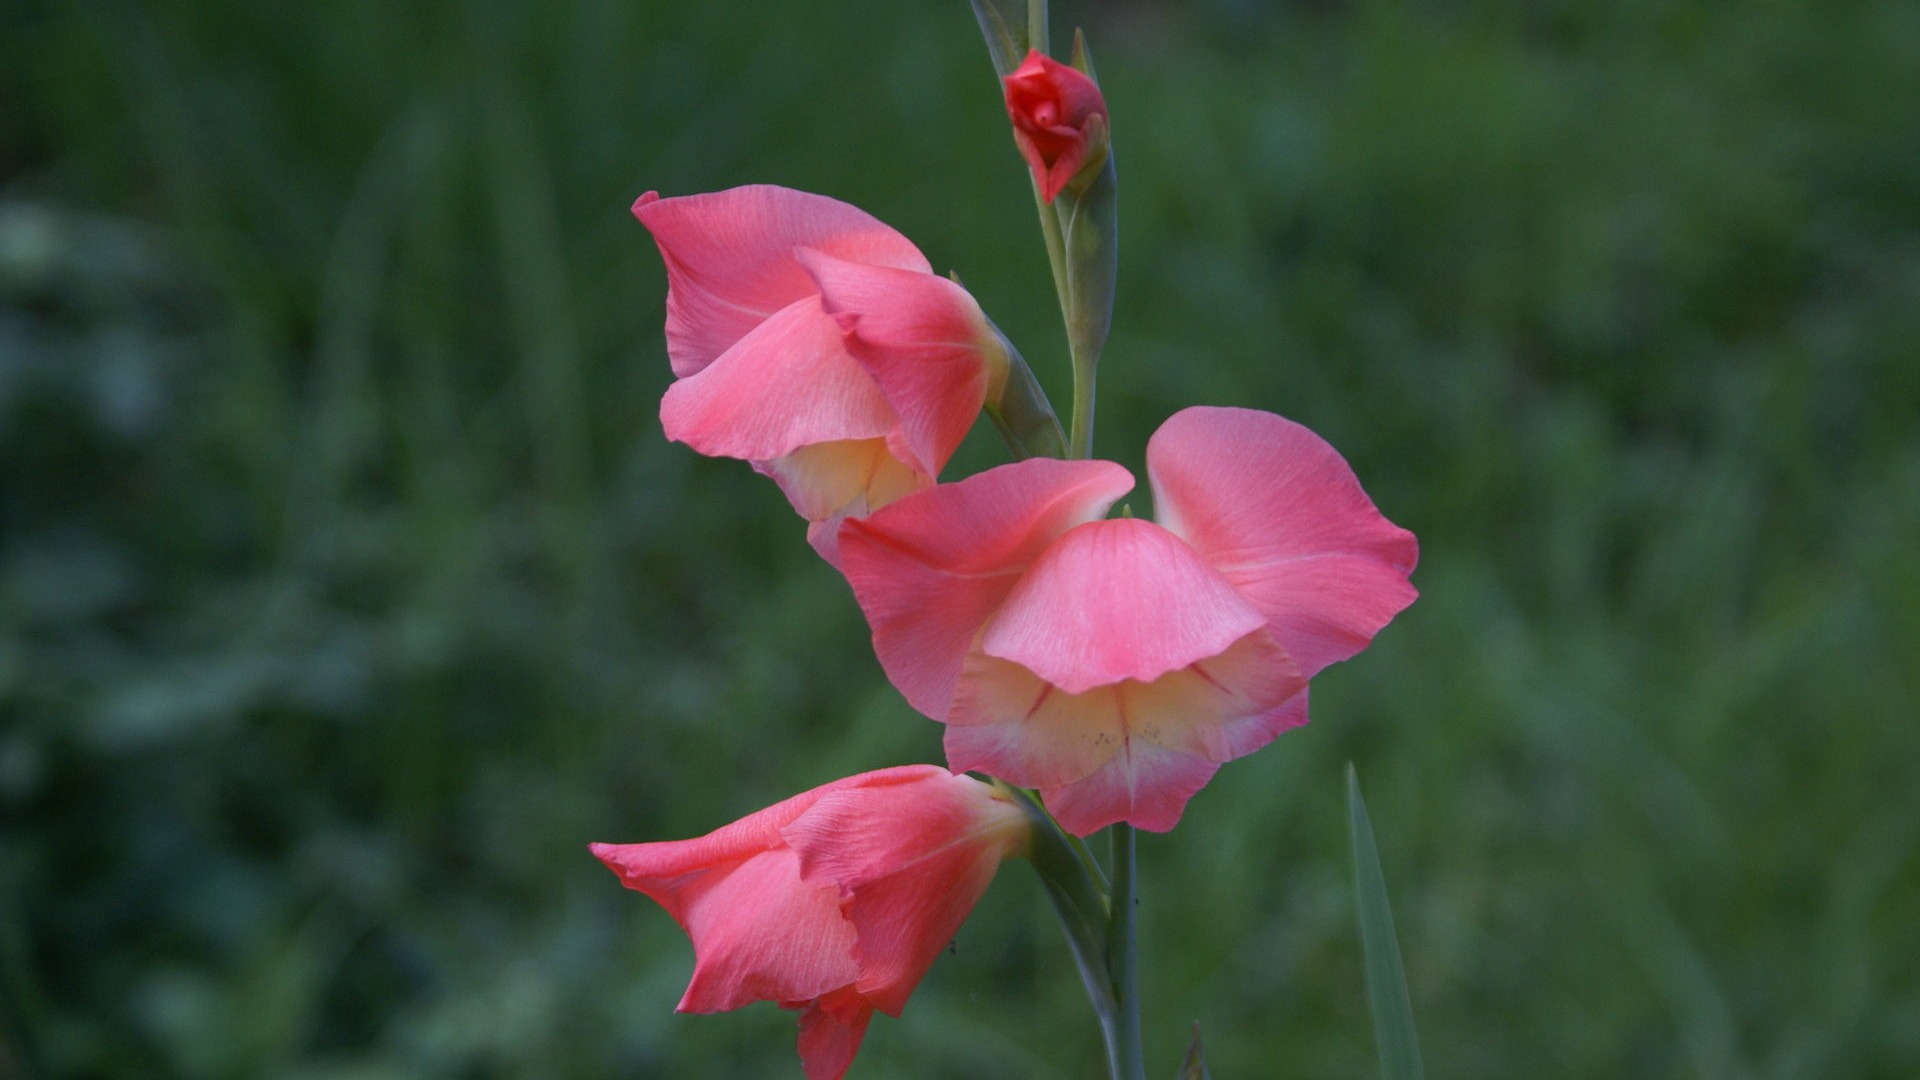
(1055, 110)
(816, 343)
(834, 902)
(1115, 664)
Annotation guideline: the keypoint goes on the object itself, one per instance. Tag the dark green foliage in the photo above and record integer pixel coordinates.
(347, 587)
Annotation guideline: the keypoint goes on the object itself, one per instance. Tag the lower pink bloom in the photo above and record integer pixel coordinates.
(834, 902)
(1115, 664)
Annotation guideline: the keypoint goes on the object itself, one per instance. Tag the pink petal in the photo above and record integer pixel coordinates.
(1008, 722)
(662, 868)
(721, 889)
(1115, 600)
(1072, 157)
(862, 484)
(788, 383)
(1220, 708)
(1282, 517)
(922, 338)
(1078, 750)
(861, 833)
(1144, 785)
(929, 570)
(910, 858)
(907, 920)
(831, 1029)
(832, 480)
(762, 934)
(730, 264)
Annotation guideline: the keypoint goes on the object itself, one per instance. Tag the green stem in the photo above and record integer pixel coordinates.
(1124, 1056)
(1098, 927)
(1086, 903)
(1080, 431)
(1056, 251)
(1080, 435)
(1076, 887)
(1087, 227)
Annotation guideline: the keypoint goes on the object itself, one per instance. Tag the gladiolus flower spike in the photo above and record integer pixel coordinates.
(1115, 664)
(834, 902)
(816, 343)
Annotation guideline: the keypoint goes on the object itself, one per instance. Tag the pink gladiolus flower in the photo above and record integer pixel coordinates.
(1115, 664)
(834, 902)
(815, 342)
(1059, 119)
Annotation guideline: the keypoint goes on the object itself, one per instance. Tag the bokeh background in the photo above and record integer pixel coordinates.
(348, 587)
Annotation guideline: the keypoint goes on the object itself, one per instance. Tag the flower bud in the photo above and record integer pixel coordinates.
(1059, 123)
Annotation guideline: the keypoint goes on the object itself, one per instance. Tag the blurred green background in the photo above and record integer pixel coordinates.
(348, 588)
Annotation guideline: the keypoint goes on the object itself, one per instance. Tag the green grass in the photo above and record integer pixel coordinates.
(347, 586)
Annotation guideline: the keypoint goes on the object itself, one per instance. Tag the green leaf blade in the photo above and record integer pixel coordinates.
(1387, 995)
(1004, 25)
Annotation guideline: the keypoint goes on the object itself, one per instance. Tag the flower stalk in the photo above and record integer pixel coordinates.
(1061, 128)
(1124, 1055)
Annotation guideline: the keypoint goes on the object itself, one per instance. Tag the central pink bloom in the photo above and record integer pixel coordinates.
(815, 342)
(834, 902)
(1115, 664)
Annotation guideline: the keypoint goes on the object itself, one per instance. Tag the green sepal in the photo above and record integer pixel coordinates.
(1020, 410)
(1082, 56)
(1099, 137)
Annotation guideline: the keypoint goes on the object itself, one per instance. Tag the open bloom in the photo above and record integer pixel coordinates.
(1115, 664)
(834, 902)
(1059, 121)
(815, 342)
